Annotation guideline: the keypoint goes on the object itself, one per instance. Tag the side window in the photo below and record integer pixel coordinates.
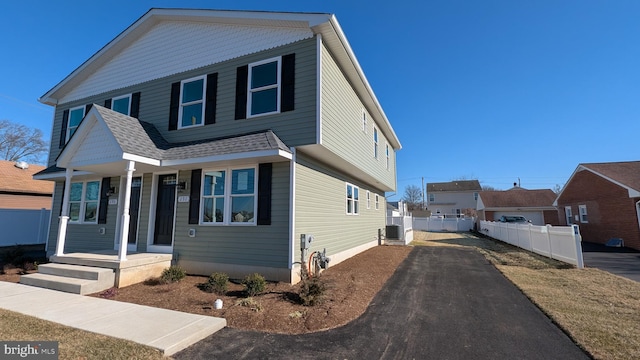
(387, 155)
(432, 197)
(583, 213)
(368, 199)
(191, 111)
(122, 104)
(75, 117)
(377, 202)
(364, 121)
(375, 142)
(568, 215)
(353, 199)
(264, 87)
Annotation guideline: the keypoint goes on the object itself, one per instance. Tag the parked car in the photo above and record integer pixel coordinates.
(514, 219)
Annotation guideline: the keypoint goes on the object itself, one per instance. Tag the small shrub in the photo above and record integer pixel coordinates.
(217, 284)
(251, 303)
(254, 284)
(14, 255)
(109, 293)
(296, 314)
(312, 290)
(173, 274)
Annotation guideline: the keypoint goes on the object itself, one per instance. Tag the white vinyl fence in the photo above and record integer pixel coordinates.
(23, 227)
(405, 224)
(562, 243)
(453, 224)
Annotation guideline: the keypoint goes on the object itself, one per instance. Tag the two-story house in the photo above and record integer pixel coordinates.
(220, 138)
(454, 198)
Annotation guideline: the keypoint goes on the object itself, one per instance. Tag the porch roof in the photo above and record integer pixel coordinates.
(126, 138)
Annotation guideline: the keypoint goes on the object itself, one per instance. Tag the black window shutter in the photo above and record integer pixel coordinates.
(210, 107)
(135, 105)
(288, 82)
(87, 108)
(194, 197)
(264, 193)
(107, 103)
(241, 92)
(104, 200)
(63, 130)
(175, 106)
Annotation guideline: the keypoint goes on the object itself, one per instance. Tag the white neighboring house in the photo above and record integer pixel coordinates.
(453, 198)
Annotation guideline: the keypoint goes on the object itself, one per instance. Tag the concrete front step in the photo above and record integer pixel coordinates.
(71, 278)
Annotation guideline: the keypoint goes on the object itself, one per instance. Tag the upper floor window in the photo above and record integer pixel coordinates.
(432, 197)
(75, 117)
(122, 104)
(387, 155)
(264, 87)
(375, 142)
(583, 213)
(352, 200)
(84, 198)
(229, 199)
(364, 121)
(191, 111)
(475, 196)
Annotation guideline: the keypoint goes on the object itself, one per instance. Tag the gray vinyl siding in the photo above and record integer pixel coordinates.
(295, 128)
(83, 237)
(261, 245)
(342, 125)
(320, 203)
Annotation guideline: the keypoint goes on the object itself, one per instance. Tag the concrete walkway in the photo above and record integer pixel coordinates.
(166, 330)
(441, 303)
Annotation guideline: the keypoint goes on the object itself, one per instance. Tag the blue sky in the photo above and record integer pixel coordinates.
(495, 90)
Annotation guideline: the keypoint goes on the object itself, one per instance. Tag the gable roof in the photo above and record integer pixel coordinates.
(17, 180)
(517, 198)
(624, 173)
(296, 26)
(458, 185)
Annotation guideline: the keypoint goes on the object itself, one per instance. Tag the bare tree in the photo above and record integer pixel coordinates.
(412, 197)
(488, 188)
(557, 188)
(19, 142)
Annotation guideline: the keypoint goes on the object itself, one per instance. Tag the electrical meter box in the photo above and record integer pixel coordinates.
(305, 241)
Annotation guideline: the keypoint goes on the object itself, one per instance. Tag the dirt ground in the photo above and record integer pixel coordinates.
(352, 285)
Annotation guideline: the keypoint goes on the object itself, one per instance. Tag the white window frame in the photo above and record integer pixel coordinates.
(475, 196)
(202, 101)
(83, 202)
(364, 122)
(355, 199)
(376, 140)
(228, 197)
(432, 197)
(368, 199)
(377, 202)
(69, 127)
(113, 101)
(387, 155)
(582, 210)
(568, 215)
(277, 86)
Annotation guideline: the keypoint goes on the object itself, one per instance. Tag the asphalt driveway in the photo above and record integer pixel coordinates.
(623, 262)
(441, 303)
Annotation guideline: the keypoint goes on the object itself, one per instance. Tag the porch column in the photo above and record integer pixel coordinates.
(124, 229)
(64, 215)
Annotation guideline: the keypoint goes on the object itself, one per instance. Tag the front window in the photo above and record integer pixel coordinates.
(122, 104)
(83, 202)
(264, 87)
(192, 102)
(583, 213)
(353, 199)
(432, 197)
(75, 117)
(229, 199)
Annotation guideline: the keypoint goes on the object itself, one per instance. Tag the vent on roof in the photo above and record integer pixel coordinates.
(21, 165)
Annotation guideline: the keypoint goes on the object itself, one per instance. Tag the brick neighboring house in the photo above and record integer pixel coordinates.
(18, 190)
(604, 199)
(535, 205)
(453, 198)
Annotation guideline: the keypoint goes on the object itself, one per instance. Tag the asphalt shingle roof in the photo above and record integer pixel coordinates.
(459, 185)
(14, 179)
(518, 197)
(627, 172)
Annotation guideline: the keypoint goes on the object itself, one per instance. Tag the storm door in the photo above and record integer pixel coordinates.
(165, 209)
